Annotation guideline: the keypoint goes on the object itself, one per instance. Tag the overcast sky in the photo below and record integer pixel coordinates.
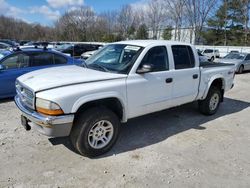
(47, 11)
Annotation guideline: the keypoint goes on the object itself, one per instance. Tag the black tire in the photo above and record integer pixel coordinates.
(241, 69)
(204, 105)
(84, 122)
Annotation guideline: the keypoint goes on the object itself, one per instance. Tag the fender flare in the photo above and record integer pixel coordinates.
(210, 82)
(98, 96)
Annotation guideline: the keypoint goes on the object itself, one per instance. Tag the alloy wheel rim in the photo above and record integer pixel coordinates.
(100, 134)
(214, 101)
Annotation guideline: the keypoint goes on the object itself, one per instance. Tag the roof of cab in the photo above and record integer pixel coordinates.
(145, 43)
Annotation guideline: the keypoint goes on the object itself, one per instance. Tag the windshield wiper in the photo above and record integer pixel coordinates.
(98, 67)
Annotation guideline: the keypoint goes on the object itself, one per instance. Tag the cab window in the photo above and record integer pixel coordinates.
(158, 58)
(183, 57)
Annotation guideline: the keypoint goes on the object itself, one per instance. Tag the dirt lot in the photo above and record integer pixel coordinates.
(174, 148)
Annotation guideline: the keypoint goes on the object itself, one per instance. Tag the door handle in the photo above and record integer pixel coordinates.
(169, 80)
(195, 76)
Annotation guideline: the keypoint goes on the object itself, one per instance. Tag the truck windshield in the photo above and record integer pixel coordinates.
(117, 58)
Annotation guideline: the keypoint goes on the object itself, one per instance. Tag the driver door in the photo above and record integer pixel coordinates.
(150, 92)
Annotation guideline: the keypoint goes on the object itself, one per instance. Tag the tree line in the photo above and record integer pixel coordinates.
(214, 22)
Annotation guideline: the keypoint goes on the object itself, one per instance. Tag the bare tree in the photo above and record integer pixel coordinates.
(198, 12)
(111, 18)
(125, 20)
(155, 16)
(77, 24)
(176, 13)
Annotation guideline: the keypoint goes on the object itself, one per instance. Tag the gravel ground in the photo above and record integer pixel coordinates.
(173, 148)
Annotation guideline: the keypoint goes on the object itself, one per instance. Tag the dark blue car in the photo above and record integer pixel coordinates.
(27, 60)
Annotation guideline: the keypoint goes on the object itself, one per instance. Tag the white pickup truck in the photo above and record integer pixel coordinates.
(121, 81)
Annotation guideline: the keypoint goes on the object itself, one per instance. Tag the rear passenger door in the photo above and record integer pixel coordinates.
(186, 75)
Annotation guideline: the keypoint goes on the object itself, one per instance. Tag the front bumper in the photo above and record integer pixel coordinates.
(54, 126)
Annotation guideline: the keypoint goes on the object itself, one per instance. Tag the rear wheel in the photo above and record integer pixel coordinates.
(210, 104)
(95, 131)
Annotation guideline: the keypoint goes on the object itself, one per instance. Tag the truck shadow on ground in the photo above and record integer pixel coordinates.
(154, 128)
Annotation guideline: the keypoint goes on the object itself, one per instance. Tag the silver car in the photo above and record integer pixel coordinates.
(240, 60)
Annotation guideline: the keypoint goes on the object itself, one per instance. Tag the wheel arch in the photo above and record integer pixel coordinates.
(112, 102)
(218, 82)
(240, 65)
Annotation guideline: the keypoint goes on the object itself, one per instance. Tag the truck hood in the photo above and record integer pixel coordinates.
(63, 76)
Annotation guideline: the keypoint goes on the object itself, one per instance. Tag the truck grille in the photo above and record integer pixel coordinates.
(26, 95)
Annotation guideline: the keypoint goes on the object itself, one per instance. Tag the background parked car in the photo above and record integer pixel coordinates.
(240, 60)
(27, 60)
(10, 42)
(202, 58)
(4, 53)
(211, 54)
(76, 50)
(37, 44)
(23, 42)
(86, 55)
(5, 46)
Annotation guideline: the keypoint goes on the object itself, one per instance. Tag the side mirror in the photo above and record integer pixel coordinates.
(145, 69)
(2, 67)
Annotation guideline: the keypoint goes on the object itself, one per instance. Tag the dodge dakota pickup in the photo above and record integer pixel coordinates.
(121, 81)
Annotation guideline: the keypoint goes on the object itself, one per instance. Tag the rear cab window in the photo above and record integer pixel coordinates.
(183, 57)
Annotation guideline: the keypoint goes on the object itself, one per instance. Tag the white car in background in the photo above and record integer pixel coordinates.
(86, 55)
(211, 54)
(202, 58)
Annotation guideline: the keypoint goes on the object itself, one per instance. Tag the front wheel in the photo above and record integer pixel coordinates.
(210, 104)
(95, 131)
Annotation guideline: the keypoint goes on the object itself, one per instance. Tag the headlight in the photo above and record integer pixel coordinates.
(48, 108)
